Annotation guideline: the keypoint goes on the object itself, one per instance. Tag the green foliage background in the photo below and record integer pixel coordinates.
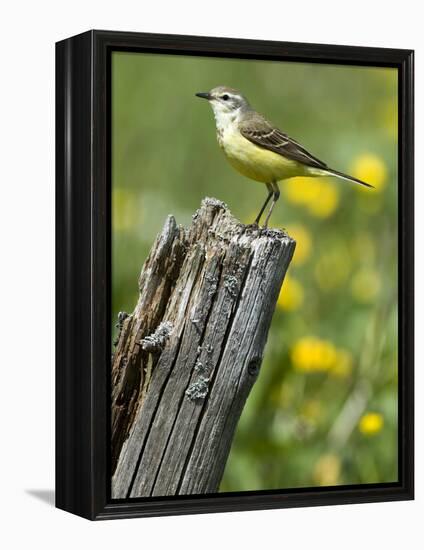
(324, 408)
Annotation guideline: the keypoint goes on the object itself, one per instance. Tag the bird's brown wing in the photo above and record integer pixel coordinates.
(258, 130)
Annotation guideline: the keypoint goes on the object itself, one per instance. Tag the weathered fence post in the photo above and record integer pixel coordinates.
(189, 354)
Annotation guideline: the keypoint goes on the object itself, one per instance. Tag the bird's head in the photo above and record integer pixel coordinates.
(225, 101)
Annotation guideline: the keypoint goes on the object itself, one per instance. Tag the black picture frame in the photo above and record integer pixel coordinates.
(83, 234)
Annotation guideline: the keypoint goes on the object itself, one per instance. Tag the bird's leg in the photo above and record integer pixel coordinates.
(270, 193)
(276, 193)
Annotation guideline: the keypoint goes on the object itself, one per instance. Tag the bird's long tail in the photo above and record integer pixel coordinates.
(338, 174)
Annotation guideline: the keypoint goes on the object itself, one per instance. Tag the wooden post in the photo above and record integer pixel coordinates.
(186, 359)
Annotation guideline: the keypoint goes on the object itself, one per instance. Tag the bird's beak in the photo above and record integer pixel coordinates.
(205, 95)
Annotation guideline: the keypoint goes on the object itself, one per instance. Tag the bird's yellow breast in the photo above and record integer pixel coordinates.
(256, 162)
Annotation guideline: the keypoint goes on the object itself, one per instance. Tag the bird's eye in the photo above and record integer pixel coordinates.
(225, 97)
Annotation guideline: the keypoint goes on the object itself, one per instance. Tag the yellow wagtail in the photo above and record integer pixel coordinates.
(258, 149)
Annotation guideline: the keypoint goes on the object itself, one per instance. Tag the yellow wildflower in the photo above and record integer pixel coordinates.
(327, 201)
(291, 294)
(303, 243)
(300, 190)
(371, 423)
(319, 195)
(311, 354)
(371, 169)
(327, 470)
(365, 285)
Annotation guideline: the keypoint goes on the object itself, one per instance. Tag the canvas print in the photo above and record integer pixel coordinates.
(254, 261)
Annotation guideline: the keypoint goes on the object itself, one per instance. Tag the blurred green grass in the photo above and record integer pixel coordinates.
(324, 409)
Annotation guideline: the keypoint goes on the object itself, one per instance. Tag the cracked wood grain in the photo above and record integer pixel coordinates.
(188, 356)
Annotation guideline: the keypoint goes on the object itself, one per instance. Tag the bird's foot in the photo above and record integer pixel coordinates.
(253, 225)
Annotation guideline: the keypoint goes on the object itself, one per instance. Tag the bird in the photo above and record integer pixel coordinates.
(258, 149)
